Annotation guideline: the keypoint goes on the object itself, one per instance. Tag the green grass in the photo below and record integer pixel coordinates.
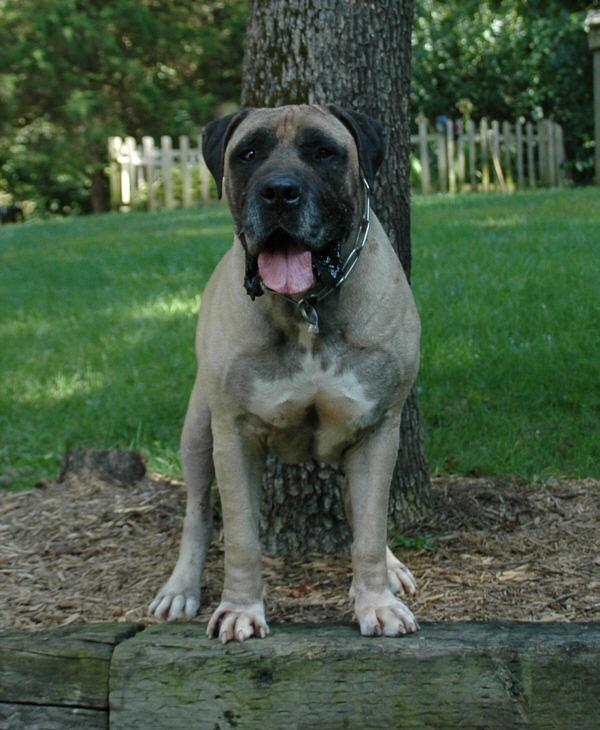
(97, 331)
(98, 317)
(509, 293)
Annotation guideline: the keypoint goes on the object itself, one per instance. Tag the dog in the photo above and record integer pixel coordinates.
(11, 214)
(307, 345)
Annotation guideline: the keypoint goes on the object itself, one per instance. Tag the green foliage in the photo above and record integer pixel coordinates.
(99, 314)
(509, 58)
(72, 73)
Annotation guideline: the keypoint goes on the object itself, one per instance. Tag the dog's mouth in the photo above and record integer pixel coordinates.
(285, 265)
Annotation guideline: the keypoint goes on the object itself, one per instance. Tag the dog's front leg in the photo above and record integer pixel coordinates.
(180, 595)
(369, 468)
(239, 465)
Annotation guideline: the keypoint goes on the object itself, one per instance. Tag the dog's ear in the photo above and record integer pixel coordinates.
(369, 136)
(215, 137)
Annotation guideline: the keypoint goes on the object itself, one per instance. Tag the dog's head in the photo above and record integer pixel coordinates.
(293, 178)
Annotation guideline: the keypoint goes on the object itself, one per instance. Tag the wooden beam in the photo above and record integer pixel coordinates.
(150, 166)
(519, 143)
(495, 675)
(204, 174)
(114, 174)
(530, 155)
(495, 149)
(461, 675)
(507, 145)
(560, 154)
(460, 154)
(485, 168)
(451, 160)
(186, 179)
(166, 153)
(472, 154)
(542, 147)
(58, 678)
(131, 147)
(442, 158)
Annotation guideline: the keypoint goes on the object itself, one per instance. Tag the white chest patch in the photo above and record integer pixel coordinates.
(338, 401)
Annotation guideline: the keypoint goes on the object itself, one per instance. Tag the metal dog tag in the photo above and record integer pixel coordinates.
(310, 316)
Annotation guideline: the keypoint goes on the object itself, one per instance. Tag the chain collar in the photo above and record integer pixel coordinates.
(306, 304)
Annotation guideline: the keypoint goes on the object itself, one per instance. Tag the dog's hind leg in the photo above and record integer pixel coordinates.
(400, 579)
(180, 595)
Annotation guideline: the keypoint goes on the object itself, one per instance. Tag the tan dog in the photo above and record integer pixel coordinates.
(316, 364)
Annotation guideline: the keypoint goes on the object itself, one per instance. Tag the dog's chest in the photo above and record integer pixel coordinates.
(316, 411)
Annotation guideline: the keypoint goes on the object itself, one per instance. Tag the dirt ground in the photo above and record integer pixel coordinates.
(86, 550)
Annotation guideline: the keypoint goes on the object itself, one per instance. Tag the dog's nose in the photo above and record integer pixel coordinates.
(280, 193)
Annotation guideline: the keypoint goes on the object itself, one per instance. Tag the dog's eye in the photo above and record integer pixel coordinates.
(248, 155)
(324, 153)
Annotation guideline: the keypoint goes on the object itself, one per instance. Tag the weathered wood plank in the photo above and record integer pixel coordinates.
(472, 154)
(530, 155)
(560, 154)
(542, 146)
(149, 163)
(460, 147)
(442, 159)
(166, 151)
(44, 717)
(131, 147)
(204, 174)
(507, 145)
(451, 160)
(186, 178)
(495, 150)
(485, 168)
(550, 154)
(464, 675)
(64, 666)
(519, 143)
(114, 174)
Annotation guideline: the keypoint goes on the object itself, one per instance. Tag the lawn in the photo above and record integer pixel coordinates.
(98, 318)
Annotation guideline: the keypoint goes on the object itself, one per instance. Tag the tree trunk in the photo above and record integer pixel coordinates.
(99, 192)
(357, 55)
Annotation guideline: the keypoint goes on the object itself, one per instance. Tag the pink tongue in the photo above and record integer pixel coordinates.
(287, 271)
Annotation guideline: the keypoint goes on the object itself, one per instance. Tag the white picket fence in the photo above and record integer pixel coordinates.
(457, 157)
(153, 176)
(488, 156)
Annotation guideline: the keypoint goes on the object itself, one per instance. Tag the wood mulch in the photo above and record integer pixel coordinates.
(88, 550)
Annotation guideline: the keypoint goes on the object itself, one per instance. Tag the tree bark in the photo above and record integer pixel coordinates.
(99, 192)
(355, 54)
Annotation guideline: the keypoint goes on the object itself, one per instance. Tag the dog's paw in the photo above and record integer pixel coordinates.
(233, 621)
(400, 579)
(179, 598)
(382, 614)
